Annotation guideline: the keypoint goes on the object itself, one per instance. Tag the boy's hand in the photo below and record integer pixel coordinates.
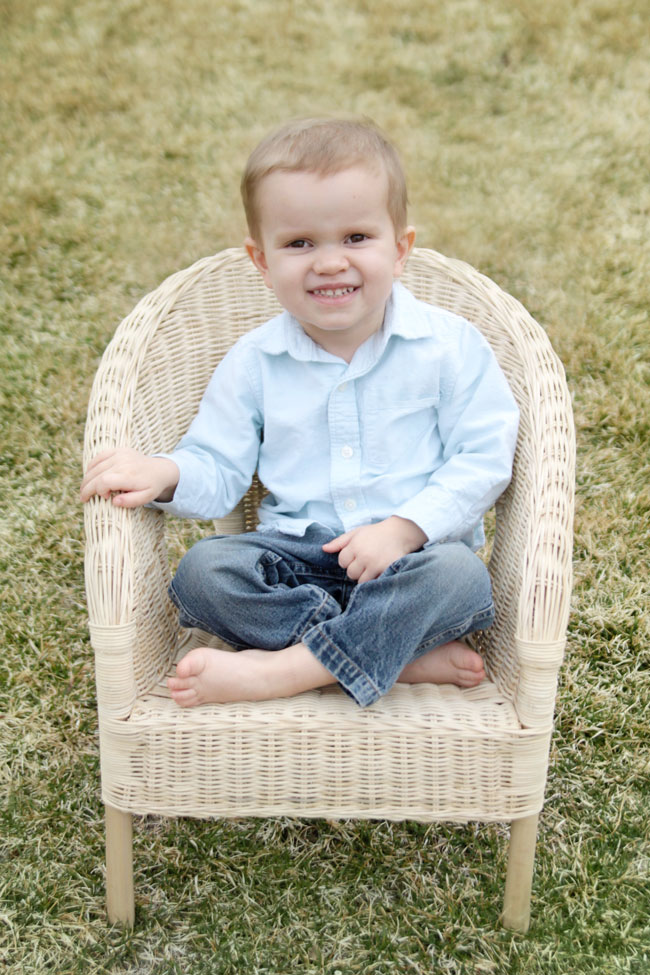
(131, 478)
(367, 551)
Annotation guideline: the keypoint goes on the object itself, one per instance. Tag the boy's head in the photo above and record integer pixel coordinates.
(324, 146)
(326, 207)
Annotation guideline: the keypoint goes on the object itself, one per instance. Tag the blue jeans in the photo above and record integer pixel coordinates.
(271, 590)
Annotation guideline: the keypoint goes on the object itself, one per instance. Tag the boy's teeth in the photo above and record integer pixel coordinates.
(332, 292)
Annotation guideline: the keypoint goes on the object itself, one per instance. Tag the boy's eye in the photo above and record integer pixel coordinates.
(357, 238)
(298, 244)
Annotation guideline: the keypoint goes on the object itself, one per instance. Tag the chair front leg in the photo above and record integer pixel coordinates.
(120, 901)
(519, 878)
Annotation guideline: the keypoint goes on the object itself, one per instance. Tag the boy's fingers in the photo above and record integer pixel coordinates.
(132, 499)
(99, 484)
(87, 489)
(353, 570)
(347, 560)
(118, 457)
(366, 576)
(99, 460)
(105, 482)
(336, 544)
(97, 466)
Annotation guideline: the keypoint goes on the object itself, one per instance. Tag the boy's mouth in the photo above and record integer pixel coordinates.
(333, 292)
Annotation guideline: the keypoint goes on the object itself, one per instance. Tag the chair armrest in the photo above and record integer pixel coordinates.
(132, 623)
(531, 562)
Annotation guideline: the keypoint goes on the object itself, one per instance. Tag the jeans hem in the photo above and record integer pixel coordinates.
(341, 666)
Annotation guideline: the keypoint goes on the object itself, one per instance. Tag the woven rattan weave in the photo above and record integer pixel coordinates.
(423, 752)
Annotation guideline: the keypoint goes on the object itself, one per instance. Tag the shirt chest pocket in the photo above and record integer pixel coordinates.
(394, 428)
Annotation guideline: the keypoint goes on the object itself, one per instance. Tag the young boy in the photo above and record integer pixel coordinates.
(382, 428)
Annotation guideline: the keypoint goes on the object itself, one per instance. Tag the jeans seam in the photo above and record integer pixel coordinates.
(299, 631)
(300, 569)
(454, 632)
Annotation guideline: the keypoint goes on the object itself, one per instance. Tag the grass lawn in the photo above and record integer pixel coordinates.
(524, 130)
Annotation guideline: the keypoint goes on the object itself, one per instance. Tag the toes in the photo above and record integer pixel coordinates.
(474, 664)
(184, 692)
(470, 678)
(186, 699)
(474, 670)
(191, 665)
(467, 660)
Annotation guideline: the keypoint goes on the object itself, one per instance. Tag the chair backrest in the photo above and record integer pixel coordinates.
(163, 354)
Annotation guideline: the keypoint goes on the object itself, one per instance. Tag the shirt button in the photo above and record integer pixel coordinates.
(350, 504)
(343, 387)
(347, 452)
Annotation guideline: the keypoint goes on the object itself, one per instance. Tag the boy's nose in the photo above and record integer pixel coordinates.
(330, 260)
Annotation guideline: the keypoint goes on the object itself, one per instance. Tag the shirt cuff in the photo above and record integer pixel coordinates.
(438, 516)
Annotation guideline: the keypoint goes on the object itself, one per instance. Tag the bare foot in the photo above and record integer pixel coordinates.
(210, 676)
(451, 663)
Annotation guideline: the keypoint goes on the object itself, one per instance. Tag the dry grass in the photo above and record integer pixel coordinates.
(524, 129)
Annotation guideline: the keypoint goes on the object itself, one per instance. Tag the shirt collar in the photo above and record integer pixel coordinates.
(405, 316)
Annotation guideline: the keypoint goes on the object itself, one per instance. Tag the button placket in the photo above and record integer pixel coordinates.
(345, 452)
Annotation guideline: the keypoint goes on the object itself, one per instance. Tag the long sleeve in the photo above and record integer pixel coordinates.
(477, 422)
(218, 455)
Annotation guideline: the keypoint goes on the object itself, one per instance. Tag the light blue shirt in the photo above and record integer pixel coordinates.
(421, 423)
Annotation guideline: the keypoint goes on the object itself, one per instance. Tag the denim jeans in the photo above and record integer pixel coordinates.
(271, 590)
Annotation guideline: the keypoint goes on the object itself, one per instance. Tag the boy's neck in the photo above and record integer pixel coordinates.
(344, 348)
(343, 344)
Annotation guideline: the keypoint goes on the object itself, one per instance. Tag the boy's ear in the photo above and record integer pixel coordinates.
(404, 247)
(256, 255)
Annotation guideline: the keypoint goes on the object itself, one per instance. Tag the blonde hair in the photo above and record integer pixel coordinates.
(324, 146)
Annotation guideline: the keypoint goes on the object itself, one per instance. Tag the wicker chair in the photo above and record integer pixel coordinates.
(422, 752)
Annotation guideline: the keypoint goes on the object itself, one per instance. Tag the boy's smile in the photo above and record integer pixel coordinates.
(330, 252)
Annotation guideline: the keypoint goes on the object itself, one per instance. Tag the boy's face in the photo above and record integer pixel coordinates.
(330, 252)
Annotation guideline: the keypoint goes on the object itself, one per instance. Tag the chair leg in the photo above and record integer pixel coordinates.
(519, 878)
(120, 901)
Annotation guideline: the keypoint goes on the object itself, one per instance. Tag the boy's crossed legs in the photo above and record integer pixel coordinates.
(317, 626)
(208, 675)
